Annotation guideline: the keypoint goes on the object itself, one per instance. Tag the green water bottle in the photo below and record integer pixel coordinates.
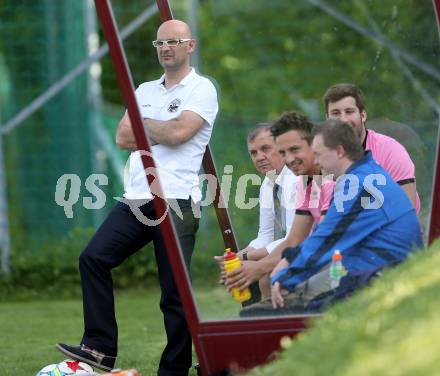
(337, 270)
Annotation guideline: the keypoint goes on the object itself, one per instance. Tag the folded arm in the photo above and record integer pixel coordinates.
(170, 132)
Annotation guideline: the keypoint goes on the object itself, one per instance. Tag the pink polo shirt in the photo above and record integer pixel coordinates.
(393, 157)
(313, 195)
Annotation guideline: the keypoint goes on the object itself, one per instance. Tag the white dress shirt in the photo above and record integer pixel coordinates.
(265, 238)
(178, 166)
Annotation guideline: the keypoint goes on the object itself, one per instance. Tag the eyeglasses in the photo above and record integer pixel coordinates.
(169, 42)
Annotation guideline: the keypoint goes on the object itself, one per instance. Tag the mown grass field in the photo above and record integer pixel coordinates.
(30, 329)
(390, 328)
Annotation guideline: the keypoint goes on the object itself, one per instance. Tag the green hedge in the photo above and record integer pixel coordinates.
(51, 270)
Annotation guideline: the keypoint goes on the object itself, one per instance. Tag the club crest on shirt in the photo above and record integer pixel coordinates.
(174, 105)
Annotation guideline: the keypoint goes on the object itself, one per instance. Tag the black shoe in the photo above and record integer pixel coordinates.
(84, 354)
(197, 369)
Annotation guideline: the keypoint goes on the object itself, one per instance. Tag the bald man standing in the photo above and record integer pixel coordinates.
(178, 111)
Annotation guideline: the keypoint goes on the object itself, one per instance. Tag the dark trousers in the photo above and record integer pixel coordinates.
(120, 236)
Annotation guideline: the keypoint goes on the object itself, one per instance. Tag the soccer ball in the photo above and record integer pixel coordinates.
(72, 367)
(50, 370)
(66, 368)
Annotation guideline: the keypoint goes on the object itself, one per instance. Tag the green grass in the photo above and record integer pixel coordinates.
(390, 328)
(30, 329)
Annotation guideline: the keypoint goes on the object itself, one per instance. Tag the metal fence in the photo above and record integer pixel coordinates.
(59, 101)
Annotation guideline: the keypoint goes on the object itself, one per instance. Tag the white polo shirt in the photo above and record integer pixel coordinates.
(178, 166)
(265, 238)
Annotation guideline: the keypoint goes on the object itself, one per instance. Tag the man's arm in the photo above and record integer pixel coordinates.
(267, 219)
(301, 228)
(410, 190)
(276, 290)
(256, 248)
(124, 134)
(252, 254)
(220, 261)
(265, 233)
(175, 131)
(252, 271)
(171, 132)
(398, 163)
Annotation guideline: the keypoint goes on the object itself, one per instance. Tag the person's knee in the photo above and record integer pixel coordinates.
(88, 258)
(84, 259)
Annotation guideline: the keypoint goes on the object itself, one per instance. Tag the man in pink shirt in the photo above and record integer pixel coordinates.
(346, 102)
(313, 196)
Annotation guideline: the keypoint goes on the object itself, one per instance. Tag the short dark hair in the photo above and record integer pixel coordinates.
(292, 121)
(336, 132)
(253, 133)
(339, 91)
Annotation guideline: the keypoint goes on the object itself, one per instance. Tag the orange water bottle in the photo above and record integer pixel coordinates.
(119, 372)
(231, 263)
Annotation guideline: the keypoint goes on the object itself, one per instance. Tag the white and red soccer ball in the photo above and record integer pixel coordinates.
(67, 368)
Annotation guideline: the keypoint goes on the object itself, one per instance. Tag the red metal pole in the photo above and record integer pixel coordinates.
(434, 224)
(229, 239)
(167, 227)
(164, 10)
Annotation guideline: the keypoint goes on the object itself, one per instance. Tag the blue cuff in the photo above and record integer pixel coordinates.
(277, 276)
(290, 253)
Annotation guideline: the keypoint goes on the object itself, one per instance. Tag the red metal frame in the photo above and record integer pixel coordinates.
(232, 344)
(434, 225)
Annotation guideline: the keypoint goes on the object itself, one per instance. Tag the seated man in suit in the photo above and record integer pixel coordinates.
(276, 200)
